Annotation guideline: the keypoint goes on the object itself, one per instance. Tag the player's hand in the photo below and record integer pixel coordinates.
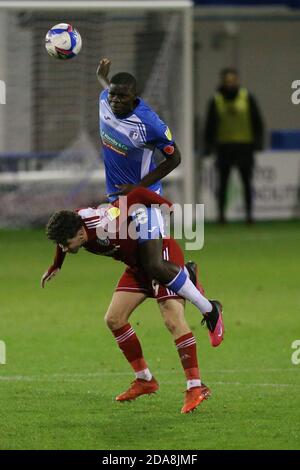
(48, 275)
(123, 189)
(103, 69)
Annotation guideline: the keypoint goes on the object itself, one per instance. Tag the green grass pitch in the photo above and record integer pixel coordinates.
(64, 369)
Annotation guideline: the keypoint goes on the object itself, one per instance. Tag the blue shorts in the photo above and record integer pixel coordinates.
(149, 224)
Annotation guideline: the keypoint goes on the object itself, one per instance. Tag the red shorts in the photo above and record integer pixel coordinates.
(135, 280)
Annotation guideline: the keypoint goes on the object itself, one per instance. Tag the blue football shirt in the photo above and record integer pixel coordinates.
(129, 144)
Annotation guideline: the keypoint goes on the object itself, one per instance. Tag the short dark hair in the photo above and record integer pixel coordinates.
(228, 70)
(63, 225)
(124, 78)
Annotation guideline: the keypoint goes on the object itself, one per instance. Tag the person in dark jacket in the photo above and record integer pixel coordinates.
(234, 131)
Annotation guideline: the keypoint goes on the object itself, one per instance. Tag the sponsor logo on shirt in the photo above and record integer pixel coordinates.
(113, 144)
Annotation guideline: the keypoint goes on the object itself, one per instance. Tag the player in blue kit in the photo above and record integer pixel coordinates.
(130, 132)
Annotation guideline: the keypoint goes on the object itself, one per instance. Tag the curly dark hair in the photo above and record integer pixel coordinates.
(63, 225)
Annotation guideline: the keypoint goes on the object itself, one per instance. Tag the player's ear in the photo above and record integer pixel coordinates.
(81, 233)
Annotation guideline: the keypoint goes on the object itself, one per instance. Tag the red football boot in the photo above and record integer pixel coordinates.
(137, 388)
(194, 397)
(214, 323)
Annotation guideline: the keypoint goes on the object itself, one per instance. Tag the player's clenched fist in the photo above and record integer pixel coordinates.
(103, 71)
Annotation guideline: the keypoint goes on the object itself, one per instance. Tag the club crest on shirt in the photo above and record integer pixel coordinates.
(134, 135)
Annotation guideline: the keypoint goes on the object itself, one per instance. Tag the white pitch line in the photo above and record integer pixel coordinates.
(239, 371)
(257, 237)
(81, 377)
(54, 377)
(114, 373)
(277, 385)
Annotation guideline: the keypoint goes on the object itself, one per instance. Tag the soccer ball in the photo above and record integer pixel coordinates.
(62, 41)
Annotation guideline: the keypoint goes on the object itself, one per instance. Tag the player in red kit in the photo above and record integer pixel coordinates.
(72, 230)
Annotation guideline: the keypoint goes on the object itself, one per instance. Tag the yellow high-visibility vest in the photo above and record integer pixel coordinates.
(234, 122)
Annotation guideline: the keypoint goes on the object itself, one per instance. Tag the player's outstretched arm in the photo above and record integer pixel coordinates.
(103, 71)
(55, 267)
(48, 275)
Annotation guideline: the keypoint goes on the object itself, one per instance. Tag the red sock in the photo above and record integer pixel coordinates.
(130, 346)
(187, 350)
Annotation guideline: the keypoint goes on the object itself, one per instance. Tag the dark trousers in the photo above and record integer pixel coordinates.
(240, 156)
